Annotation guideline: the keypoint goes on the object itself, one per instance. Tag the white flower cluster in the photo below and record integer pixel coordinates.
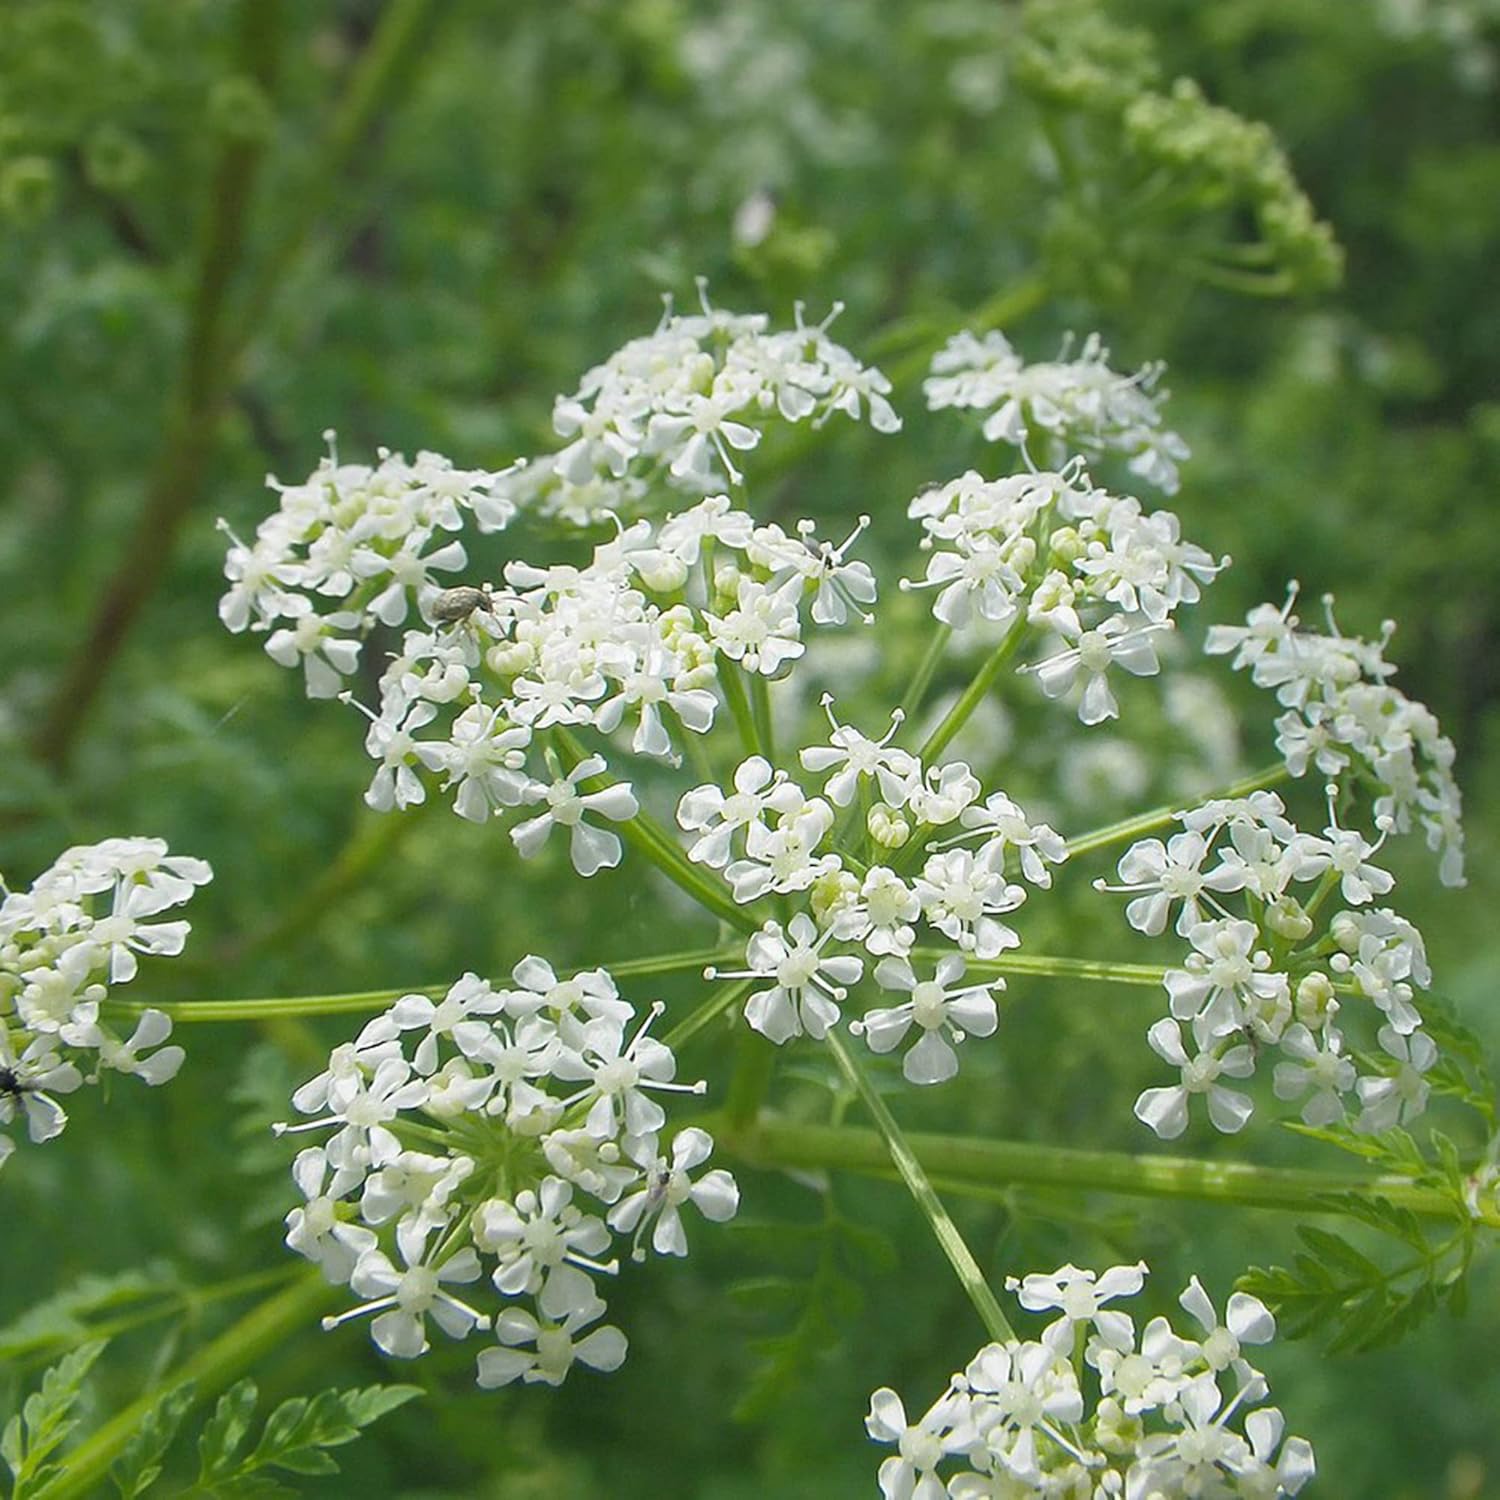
(1078, 404)
(672, 409)
(1147, 1419)
(769, 837)
(1344, 719)
(633, 643)
(1276, 977)
(1049, 550)
(469, 1136)
(350, 548)
(77, 931)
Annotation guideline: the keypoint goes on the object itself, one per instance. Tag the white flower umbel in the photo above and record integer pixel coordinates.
(471, 1138)
(81, 928)
(1158, 1418)
(1344, 718)
(1074, 405)
(1309, 950)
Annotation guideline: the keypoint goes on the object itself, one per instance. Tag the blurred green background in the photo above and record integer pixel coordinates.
(229, 226)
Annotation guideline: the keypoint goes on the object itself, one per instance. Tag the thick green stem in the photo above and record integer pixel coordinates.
(1162, 817)
(213, 1368)
(912, 1174)
(971, 697)
(986, 1167)
(732, 684)
(760, 713)
(754, 1064)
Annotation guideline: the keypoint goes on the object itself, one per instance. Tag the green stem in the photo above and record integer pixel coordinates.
(715, 1006)
(214, 1367)
(1164, 816)
(1008, 305)
(760, 714)
(363, 1002)
(194, 411)
(1047, 966)
(649, 838)
(912, 1174)
(47, 1345)
(987, 1167)
(973, 695)
(387, 67)
(732, 683)
(916, 689)
(754, 1064)
(372, 842)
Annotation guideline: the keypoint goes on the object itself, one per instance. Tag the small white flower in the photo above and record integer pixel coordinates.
(809, 984)
(591, 849)
(667, 1187)
(1080, 1296)
(938, 1008)
(1397, 1098)
(1165, 1110)
(556, 1347)
(403, 1298)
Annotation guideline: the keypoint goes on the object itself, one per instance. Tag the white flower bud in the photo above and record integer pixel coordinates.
(887, 827)
(1316, 1004)
(1286, 918)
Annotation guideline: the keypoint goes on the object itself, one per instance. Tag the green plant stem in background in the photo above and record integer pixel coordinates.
(213, 348)
(1046, 966)
(761, 717)
(732, 683)
(193, 422)
(895, 1144)
(970, 1163)
(717, 1004)
(1009, 305)
(916, 690)
(213, 1368)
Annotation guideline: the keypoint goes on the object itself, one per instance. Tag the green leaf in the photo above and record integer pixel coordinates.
(63, 1318)
(225, 1431)
(46, 1419)
(139, 1464)
(296, 1436)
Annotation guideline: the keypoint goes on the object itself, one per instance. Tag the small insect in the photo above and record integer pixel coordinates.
(12, 1083)
(456, 604)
